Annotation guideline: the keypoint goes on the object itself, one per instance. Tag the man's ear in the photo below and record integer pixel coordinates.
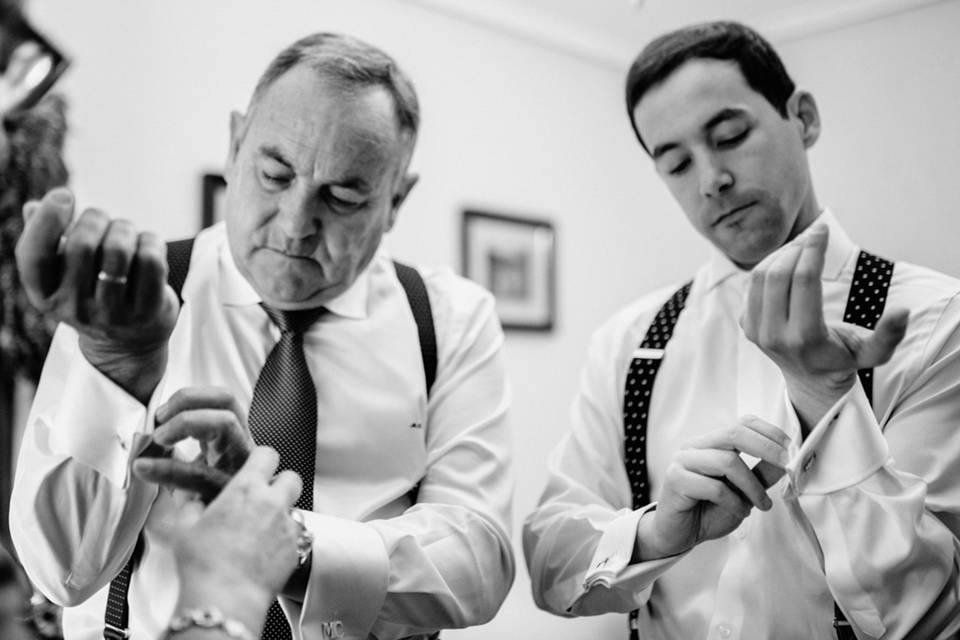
(403, 190)
(237, 130)
(802, 108)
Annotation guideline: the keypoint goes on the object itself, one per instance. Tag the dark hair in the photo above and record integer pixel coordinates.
(351, 62)
(761, 66)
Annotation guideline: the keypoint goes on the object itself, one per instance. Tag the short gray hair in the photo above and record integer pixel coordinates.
(349, 61)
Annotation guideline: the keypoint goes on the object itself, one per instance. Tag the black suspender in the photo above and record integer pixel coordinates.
(419, 301)
(179, 252)
(865, 304)
(637, 394)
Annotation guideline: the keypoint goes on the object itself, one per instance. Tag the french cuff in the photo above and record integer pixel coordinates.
(610, 568)
(99, 424)
(348, 578)
(842, 450)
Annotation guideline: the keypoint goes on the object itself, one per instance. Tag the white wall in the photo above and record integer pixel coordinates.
(518, 129)
(889, 155)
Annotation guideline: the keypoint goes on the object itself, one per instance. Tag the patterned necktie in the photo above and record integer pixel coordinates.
(283, 415)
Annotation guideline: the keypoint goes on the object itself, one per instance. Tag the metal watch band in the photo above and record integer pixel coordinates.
(207, 618)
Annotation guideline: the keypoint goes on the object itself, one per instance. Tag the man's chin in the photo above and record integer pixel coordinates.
(296, 293)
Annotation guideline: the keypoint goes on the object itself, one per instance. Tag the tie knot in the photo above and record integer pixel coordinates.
(293, 321)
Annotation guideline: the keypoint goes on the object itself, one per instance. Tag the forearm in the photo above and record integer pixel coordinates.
(888, 559)
(74, 517)
(889, 563)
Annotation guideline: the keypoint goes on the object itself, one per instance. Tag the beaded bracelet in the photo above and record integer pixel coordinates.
(209, 618)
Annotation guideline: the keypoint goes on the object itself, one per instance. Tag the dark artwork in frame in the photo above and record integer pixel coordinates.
(515, 258)
(213, 189)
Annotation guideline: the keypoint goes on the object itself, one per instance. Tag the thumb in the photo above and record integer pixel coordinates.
(878, 348)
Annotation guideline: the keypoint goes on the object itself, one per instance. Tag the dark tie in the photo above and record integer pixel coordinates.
(283, 415)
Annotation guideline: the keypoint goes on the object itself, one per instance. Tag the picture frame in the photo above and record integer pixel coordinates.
(514, 258)
(212, 192)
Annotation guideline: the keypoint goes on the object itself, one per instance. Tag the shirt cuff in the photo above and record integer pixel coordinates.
(843, 449)
(348, 578)
(610, 567)
(99, 424)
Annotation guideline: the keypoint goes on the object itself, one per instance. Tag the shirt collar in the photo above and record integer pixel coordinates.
(235, 290)
(840, 250)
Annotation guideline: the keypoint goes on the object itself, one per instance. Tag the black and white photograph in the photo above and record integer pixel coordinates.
(474, 319)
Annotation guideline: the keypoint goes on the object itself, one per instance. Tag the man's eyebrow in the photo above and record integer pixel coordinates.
(722, 116)
(661, 149)
(356, 183)
(274, 153)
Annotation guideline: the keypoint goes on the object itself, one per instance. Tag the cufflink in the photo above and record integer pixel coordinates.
(304, 538)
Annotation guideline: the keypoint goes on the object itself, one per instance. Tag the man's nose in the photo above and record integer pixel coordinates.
(299, 215)
(715, 178)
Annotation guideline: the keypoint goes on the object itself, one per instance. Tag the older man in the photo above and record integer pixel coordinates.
(766, 355)
(294, 310)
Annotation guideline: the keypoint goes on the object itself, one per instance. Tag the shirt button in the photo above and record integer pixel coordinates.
(808, 463)
(724, 630)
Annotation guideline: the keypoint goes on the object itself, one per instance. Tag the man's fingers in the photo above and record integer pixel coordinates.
(750, 435)
(289, 485)
(806, 294)
(201, 424)
(261, 464)
(148, 273)
(728, 467)
(880, 345)
(29, 208)
(81, 254)
(190, 398)
(699, 488)
(189, 476)
(777, 282)
(38, 262)
(116, 254)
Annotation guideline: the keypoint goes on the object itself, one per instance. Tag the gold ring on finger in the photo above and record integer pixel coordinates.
(103, 276)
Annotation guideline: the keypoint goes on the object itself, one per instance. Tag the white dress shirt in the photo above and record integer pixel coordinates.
(380, 566)
(867, 514)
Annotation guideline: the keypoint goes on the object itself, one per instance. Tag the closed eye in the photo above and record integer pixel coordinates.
(732, 141)
(343, 202)
(275, 179)
(680, 167)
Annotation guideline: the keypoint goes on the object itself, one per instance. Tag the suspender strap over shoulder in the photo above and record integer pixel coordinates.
(419, 301)
(639, 389)
(179, 253)
(865, 304)
(866, 301)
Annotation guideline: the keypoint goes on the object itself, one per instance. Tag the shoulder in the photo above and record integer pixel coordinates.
(932, 299)
(462, 310)
(628, 325)
(921, 289)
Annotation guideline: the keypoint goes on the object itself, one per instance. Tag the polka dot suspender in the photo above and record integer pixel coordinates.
(868, 296)
(637, 394)
(865, 304)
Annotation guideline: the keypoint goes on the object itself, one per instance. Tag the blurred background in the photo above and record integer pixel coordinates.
(523, 115)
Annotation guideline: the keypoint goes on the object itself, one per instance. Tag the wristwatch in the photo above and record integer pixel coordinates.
(208, 618)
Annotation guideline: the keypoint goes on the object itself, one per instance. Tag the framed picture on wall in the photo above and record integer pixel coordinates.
(213, 189)
(515, 258)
